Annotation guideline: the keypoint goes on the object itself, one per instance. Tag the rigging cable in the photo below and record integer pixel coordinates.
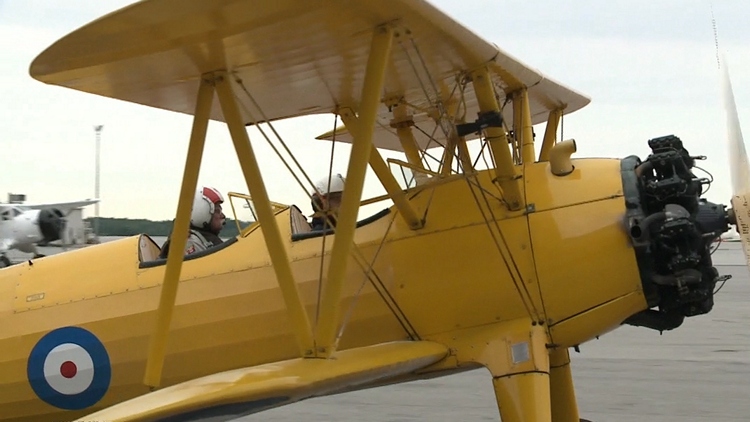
(514, 272)
(379, 286)
(280, 139)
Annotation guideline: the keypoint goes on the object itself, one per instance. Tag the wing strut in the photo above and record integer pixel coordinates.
(266, 218)
(325, 336)
(524, 128)
(157, 347)
(249, 164)
(403, 123)
(505, 171)
(389, 182)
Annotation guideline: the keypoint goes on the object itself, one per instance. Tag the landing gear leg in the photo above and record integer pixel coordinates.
(515, 353)
(562, 392)
(522, 389)
(523, 397)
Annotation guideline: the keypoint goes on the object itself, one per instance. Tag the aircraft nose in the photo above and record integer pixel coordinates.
(51, 224)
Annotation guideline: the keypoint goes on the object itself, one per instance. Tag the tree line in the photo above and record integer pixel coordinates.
(129, 227)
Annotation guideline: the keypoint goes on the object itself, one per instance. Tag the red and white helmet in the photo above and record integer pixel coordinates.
(204, 205)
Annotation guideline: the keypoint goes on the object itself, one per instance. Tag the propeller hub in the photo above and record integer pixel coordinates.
(51, 224)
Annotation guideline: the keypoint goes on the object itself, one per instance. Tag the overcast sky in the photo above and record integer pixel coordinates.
(649, 66)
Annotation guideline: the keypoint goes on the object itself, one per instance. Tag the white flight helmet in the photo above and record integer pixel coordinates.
(204, 205)
(336, 184)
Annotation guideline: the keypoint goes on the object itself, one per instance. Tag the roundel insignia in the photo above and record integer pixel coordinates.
(69, 368)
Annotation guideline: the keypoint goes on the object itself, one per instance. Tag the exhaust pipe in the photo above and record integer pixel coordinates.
(559, 157)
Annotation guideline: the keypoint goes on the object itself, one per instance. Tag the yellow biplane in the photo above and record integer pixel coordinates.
(503, 254)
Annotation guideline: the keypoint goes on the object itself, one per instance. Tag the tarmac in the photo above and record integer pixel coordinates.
(699, 372)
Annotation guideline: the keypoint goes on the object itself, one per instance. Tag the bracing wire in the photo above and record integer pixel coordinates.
(444, 125)
(316, 210)
(510, 263)
(278, 137)
(368, 274)
(511, 266)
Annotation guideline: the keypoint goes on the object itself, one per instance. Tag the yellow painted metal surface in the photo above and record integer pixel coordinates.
(268, 225)
(591, 180)
(523, 397)
(455, 282)
(505, 170)
(78, 275)
(502, 269)
(550, 134)
(275, 384)
(562, 390)
(228, 305)
(325, 331)
(586, 242)
(505, 348)
(153, 53)
(157, 346)
(515, 353)
(601, 319)
(579, 240)
(231, 300)
(427, 281)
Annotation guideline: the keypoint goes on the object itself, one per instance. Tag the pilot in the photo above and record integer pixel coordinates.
(206, 222)
(326, 201)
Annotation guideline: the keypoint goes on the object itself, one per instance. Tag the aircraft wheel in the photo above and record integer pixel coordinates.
(4, 261)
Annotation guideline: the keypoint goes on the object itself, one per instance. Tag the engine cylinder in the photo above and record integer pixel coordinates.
(672, 229)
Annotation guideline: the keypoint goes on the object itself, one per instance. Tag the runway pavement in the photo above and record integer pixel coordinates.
(699, 372)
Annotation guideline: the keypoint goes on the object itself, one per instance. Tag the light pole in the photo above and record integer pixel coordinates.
(98, 131)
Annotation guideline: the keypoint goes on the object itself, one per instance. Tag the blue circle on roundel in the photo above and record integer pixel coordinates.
(92, 346)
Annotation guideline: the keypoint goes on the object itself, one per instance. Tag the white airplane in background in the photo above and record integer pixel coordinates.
(23, 227)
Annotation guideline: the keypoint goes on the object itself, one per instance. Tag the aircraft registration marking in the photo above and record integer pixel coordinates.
(69, 368)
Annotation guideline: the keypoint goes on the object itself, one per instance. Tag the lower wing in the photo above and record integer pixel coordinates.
(240, 392)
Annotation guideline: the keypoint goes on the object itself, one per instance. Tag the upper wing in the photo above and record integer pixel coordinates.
(64, 207)
(295, 57)
(244, 391)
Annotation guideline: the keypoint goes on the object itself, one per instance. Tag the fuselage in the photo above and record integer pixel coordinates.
(22, 228)
(565, 261)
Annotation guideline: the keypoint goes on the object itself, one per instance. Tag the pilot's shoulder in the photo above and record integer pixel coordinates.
(195, 243)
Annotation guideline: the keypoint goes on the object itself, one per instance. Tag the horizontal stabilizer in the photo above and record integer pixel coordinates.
(240, 392)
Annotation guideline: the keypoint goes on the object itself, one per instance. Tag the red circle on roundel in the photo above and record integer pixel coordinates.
(68, 369)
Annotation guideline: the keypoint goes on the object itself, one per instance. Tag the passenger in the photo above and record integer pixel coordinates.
(206, 222)
(326, 201)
